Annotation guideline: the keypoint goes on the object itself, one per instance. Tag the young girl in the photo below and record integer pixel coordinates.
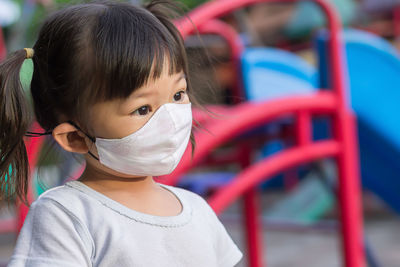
(109, 82)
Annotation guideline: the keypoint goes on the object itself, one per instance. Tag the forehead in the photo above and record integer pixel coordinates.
(164, 83)
(158, 81)
(159, 76)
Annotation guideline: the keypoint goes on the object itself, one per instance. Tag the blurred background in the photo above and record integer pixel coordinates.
(264, 53)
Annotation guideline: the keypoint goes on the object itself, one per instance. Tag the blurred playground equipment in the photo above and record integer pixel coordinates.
(374, 76)
(9, 12)
(247, 116)
(308, 17)
(283, 101)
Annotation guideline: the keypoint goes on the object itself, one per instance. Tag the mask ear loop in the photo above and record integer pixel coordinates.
(34, 134)
(88, 136)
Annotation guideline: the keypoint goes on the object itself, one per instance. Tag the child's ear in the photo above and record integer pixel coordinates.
(70, 139)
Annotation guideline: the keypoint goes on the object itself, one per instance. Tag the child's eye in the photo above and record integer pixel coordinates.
(144, 110)
(179, 96)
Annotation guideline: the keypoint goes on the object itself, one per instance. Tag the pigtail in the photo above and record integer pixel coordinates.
(14, 122)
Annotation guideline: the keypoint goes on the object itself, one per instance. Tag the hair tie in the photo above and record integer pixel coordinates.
(29, 52)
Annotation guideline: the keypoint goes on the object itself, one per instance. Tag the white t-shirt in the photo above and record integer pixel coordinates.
(73, 225)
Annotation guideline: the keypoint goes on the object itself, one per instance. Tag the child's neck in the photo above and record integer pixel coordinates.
(103, 181)
(141, 194)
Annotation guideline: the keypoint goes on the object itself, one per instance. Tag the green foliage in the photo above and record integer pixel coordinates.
(193, 3)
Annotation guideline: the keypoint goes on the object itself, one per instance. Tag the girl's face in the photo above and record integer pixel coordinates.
(119, 118)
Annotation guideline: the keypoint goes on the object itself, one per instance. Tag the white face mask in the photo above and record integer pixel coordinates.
(155, 149)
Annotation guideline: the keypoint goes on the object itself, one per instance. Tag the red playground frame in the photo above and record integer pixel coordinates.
(241, 118)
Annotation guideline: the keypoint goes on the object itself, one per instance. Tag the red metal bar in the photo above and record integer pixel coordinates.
(303, 128)
(3, 50)
(252, 220)
(349, 192)
(270, 166)
(253, 228)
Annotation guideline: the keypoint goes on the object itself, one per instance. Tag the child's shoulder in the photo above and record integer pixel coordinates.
(64, 198)
(181, 192)
(195, 200)
(58, 193)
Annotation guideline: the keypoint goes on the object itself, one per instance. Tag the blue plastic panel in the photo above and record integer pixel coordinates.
(270, 73)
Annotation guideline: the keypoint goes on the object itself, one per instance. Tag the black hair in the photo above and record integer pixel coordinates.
(84, 54)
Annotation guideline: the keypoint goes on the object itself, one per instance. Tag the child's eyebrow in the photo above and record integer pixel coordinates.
(145, 94)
